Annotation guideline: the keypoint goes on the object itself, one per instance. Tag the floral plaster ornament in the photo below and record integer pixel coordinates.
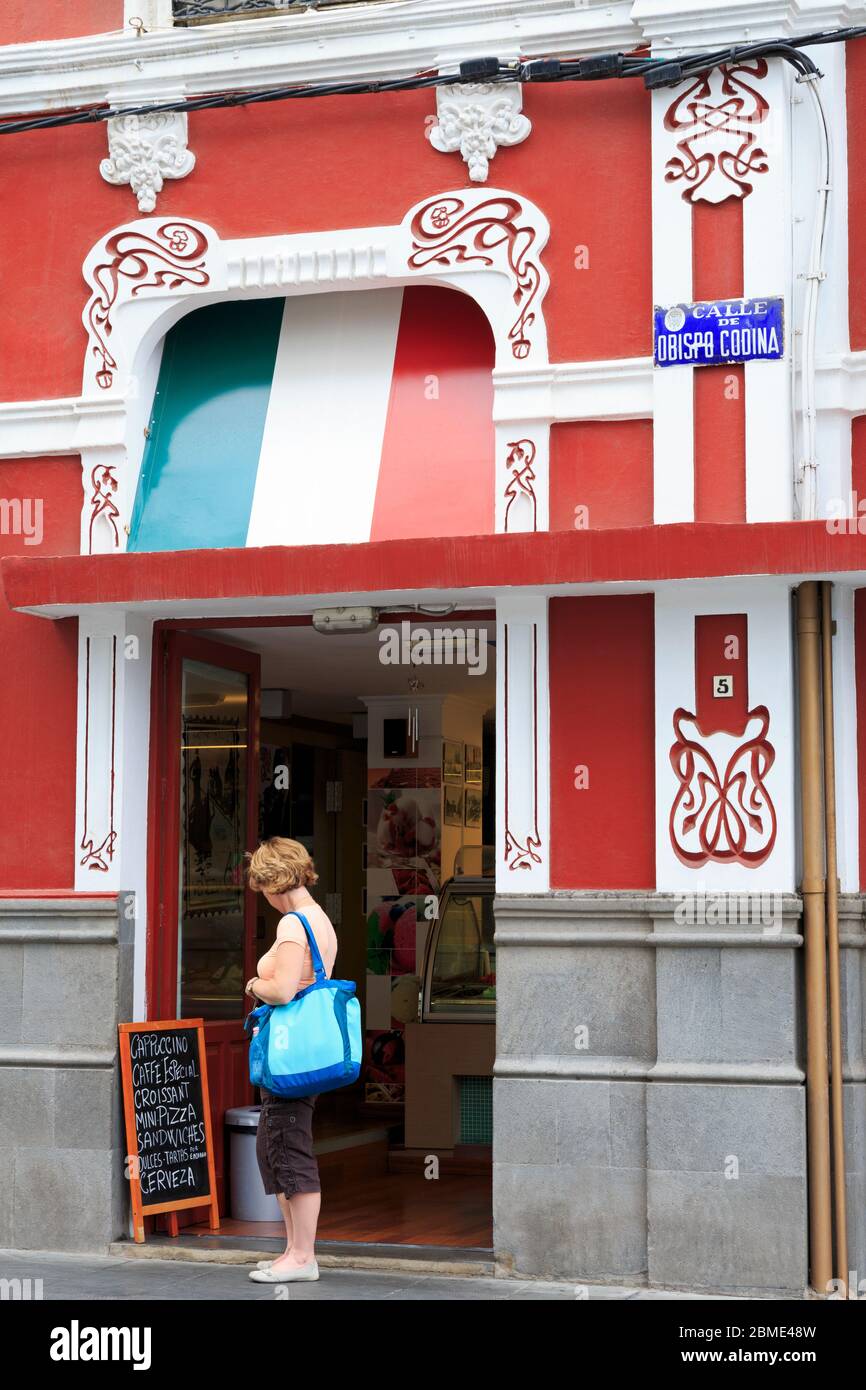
(476, 119)
(146, 150)
(717, 122)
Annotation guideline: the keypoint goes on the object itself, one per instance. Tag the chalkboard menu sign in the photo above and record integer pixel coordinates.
(168, 1129)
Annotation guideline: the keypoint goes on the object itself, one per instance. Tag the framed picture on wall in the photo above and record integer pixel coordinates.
(452, 761)
(472, 761)
(472, 809)
(453, 808)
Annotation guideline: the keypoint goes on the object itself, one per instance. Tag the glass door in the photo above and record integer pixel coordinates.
(214, 775)
(203, 811)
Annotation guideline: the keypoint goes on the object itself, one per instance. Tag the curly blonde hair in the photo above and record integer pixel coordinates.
(278, 865)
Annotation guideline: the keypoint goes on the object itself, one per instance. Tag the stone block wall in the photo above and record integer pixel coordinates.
(65, 982)
(649, 1092)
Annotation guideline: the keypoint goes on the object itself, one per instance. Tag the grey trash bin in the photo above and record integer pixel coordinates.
(249, 1201)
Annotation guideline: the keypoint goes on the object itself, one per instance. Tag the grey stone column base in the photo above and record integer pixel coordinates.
(66, 979)
(649, 1091)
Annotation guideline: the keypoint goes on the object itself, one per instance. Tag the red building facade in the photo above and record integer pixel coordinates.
(394, 351)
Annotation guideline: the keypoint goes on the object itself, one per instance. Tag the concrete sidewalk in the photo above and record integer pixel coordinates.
(119, 1279)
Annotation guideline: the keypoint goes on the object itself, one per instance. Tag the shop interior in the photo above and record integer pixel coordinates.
(377, 752)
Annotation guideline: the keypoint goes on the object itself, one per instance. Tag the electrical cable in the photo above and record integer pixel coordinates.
(655, 72)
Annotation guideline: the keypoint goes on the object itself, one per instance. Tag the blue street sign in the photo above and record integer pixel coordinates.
(716, 331)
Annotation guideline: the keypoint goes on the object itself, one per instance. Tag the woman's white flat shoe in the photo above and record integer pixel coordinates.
(302, 1274)
(266, 1264)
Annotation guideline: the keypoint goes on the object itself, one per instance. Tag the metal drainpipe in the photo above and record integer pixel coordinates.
(837, 1095)
(817, 1078)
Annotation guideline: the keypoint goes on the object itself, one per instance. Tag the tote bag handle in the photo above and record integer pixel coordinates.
(318, 963)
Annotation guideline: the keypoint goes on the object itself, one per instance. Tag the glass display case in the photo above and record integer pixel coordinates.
(459, 977)
(475, 861)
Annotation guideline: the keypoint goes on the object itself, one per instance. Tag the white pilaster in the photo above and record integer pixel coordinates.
(845, 729)
(112, 742)
(99, 761)
(522, 745)
(136, 673)
(767, 604)
(833, 425)
(766, 272)
(106, 503)
(522, 476)
(673, 396)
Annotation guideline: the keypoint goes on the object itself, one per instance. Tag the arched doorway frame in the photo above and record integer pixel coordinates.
(146, 274)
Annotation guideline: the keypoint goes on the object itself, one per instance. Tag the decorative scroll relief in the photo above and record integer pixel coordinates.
(103, 483)
(722, 811)
(485, 231)
(486, 243)
(476, 119)
(520, 486)
(148, 257)
(146, 150)
(716, 120)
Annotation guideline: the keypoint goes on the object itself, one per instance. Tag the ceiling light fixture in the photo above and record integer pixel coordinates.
(346, 619)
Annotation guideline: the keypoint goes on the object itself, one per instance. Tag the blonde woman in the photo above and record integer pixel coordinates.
(283, 871)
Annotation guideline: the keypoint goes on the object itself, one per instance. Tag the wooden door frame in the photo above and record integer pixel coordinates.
(171, 646)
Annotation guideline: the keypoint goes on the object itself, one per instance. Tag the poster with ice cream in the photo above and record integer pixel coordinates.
(404, 839)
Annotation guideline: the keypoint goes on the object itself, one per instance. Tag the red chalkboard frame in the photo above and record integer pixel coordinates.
(139, 1211)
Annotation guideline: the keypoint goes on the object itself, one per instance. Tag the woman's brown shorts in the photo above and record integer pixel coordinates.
(284, 1145)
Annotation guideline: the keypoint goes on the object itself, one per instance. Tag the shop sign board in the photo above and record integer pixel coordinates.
(169, 1143)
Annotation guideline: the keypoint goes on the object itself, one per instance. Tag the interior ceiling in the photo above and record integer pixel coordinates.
(328, 672)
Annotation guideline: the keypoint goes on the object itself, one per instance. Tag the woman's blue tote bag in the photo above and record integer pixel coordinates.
(313, 1043)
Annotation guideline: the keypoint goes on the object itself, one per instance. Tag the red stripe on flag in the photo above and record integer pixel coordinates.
(436, 476)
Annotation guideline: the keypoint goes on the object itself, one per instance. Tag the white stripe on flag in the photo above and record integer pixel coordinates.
(322, 444)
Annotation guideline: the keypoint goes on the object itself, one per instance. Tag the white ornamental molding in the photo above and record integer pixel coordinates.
(486, 243)
(104, 512)
(476, 119)
(725, 796)
(146, 150)
(145, 275)
(716, 123)
(153, 257)
(522, 489)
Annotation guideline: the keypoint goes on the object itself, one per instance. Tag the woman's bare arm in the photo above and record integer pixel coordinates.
(282, 986)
